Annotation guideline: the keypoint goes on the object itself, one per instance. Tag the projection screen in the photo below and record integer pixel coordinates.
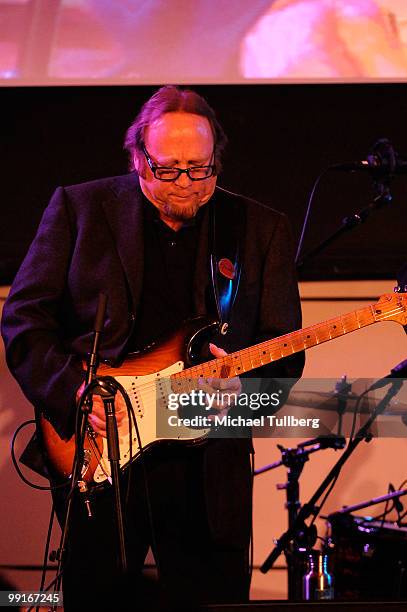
(201, 41)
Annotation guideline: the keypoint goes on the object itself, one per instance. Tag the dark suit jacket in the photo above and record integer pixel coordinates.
(90, 240)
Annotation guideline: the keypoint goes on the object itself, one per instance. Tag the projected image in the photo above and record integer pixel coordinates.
(328, 39)
(207, 41)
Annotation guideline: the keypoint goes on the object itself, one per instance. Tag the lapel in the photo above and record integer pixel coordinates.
(202, 270)
(124, 214)
(204, 299)
(230, 230)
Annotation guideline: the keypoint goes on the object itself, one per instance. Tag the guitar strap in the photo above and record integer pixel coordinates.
(227, 229)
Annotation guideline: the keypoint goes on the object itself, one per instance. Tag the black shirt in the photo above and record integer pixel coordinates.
(169, 266)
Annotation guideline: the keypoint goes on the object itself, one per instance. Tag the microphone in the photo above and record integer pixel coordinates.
(98, 329)
(382, 160)
(373, 165)
(399, 371)
(100, 313)
(330, 441)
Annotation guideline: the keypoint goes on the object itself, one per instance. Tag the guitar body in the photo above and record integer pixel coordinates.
(146, 378)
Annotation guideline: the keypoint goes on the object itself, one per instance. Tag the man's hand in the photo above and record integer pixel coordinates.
(97, 418)
(231, 386)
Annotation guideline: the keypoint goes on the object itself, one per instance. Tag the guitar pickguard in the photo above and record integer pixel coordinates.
(148, 395)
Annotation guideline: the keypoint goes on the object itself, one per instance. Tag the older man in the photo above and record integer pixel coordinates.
(145, 240)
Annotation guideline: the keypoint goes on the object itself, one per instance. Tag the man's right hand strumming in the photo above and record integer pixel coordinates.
(97, 418)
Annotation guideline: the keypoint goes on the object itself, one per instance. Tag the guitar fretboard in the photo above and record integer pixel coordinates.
(269, 351)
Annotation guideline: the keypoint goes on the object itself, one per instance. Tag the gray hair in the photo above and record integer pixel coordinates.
(171, 99)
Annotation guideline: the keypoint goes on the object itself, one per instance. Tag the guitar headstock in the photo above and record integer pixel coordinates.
(391, 307)
(402, 284)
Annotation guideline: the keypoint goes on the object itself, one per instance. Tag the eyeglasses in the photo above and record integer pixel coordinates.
(195, 173)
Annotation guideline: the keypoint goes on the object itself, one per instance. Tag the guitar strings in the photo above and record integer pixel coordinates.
(253, 351)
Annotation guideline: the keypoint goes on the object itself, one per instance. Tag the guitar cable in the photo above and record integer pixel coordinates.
(130, 411)
(17, 468)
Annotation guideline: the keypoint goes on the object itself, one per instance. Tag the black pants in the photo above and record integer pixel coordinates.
(200, 539)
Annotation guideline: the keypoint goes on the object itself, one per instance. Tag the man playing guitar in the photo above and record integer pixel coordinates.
(145, 240)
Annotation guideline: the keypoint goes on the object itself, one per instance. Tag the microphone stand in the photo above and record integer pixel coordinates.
(367, 504)
(383, 163)
(310, 507)
(384, 198)
(106, 387)
(304, 536)
(343, 390)
(85, 408)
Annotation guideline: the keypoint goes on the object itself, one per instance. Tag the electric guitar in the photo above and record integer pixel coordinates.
(151, 376)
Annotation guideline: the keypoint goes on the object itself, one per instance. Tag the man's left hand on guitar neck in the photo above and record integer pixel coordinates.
(229, 386)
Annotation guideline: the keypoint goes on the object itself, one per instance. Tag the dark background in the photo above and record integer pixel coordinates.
(280, 138)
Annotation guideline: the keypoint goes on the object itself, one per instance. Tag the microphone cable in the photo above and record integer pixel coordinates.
(308, 212)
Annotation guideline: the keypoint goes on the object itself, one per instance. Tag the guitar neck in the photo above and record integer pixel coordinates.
(270, 351)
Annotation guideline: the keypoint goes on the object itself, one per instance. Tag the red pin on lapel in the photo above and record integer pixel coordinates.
(226, 268)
